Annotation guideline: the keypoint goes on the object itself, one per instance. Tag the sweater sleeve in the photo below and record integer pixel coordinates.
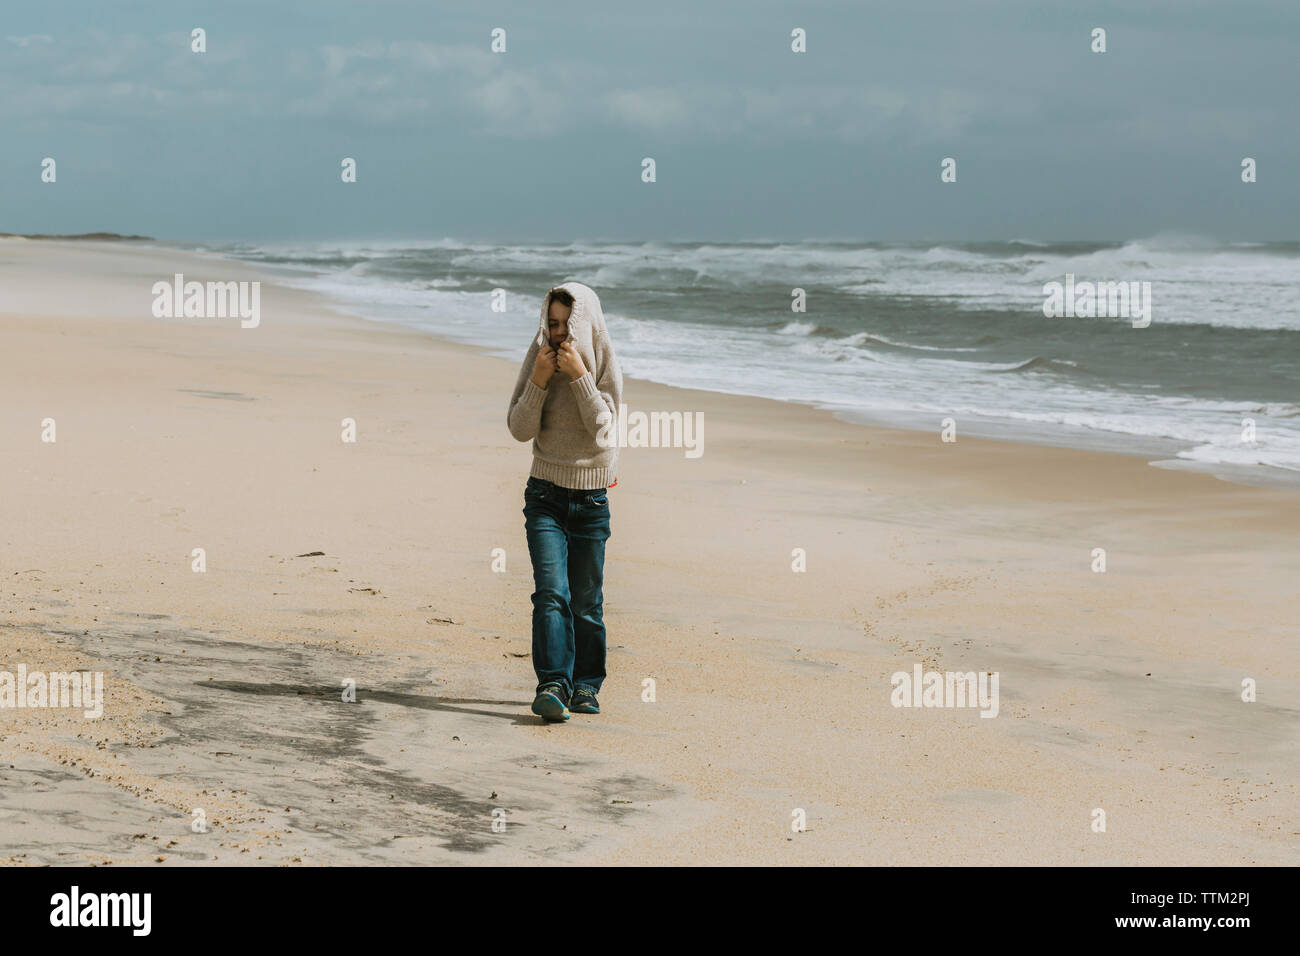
(600, 393)
(525, 413)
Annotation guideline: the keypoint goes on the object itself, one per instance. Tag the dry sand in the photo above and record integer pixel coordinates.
(1119, 690)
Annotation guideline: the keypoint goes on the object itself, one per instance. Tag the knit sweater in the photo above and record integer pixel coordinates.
(564, 419)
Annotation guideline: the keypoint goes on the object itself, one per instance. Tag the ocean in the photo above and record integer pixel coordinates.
(902, 334)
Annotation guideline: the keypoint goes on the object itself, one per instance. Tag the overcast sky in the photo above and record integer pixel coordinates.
(751, 140)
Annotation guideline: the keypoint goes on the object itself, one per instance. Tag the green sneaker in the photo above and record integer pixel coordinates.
(549, 703)
(584, 701)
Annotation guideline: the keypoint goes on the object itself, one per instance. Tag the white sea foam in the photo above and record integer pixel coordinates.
(440, 286)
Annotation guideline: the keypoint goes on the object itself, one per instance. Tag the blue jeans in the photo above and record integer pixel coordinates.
(567, 531)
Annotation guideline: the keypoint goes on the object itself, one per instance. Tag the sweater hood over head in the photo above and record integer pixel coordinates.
(585, 321)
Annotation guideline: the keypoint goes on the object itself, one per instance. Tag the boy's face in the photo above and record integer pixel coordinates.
(557, 323)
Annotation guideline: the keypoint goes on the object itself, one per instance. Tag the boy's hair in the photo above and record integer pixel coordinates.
(562, 296)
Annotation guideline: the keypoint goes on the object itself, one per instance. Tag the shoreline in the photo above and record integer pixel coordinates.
(1119, 690)
(1161, 452)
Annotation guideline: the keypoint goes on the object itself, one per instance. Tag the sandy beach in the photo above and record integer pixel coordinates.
(1119, 691)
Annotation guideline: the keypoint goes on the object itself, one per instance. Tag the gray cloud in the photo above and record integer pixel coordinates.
(1010, 89)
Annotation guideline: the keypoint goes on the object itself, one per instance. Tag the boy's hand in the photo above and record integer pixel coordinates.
(571, 362)
(544, 367)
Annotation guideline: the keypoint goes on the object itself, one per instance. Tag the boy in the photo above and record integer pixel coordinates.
(569, 387)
